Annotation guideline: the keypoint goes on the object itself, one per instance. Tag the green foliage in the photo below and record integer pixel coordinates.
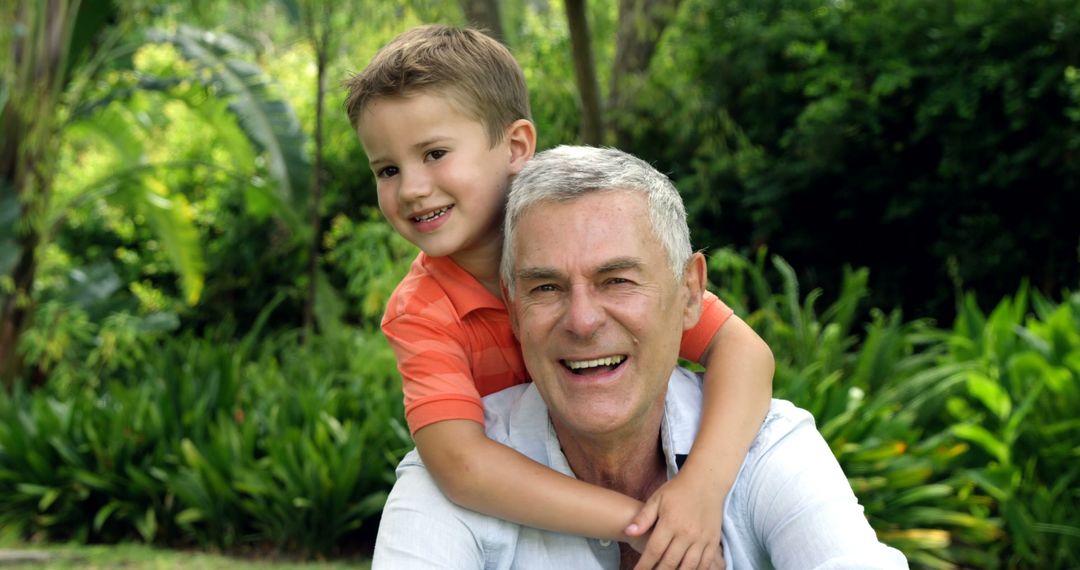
(222, 443)
(1018, 410)
(268, 122)
(961, 445)
(372, 258)
(798, 124)
(162, 172)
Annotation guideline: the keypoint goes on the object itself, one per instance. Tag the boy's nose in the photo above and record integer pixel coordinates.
(414, 186)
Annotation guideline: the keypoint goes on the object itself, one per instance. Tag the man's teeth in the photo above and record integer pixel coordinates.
(432, 215)
(606, 361)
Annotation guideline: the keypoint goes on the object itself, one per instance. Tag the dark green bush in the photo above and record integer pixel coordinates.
(217, 442)
(933, 142)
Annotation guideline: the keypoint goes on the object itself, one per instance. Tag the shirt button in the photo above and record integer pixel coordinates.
(605, 543)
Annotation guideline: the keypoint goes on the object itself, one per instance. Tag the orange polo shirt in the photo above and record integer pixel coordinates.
(454, 343)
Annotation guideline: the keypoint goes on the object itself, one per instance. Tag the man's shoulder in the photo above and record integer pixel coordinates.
(517, 417)
(451, 533)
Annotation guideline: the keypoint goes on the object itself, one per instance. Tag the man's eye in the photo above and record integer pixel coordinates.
(436, 154)
(545, 288)
(617, 281)
(386, 172)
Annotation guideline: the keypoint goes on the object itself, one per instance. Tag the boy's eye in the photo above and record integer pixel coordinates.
(436, 154)
(386, 172)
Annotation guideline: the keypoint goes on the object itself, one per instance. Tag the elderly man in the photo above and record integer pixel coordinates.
(601, 281)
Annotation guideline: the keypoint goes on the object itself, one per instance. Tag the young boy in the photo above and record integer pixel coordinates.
(443, 116)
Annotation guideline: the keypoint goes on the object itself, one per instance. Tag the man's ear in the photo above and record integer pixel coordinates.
(694, 278)
(521, 138)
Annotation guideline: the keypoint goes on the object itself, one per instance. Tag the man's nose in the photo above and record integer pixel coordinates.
(584, 313)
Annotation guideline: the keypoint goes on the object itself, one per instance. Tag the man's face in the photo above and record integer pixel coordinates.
(597, 310)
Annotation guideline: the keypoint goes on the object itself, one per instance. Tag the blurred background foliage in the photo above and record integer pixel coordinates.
(192, 265)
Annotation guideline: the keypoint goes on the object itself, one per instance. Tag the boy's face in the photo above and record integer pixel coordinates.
(441, 184)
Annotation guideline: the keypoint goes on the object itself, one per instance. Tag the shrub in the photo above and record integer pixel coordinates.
(221, 443)
(961, 444)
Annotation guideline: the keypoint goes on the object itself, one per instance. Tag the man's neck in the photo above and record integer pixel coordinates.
(631, 463)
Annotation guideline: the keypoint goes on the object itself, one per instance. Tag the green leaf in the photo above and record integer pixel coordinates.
(189, 515)
(990, 393)
(923, 493)
(147, 525)
(104, 513)
(172, 219)
(48, 499)
(984, 439)
(93, 480)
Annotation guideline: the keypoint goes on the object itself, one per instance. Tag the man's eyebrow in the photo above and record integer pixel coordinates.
(537, 273)
(620, 264)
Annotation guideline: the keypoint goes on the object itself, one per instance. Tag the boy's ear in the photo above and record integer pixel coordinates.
(521, 138)
(694, 279)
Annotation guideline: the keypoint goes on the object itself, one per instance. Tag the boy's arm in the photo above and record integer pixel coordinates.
(738, 389)
(485, 476)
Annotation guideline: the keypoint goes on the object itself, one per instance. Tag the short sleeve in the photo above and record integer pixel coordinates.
(714, 313)
(436, 377)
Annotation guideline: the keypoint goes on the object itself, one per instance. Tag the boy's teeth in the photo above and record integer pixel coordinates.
(432, 215)
(606, 361)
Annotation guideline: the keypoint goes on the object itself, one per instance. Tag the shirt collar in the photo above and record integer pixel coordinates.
(529, 429)
(465, 292)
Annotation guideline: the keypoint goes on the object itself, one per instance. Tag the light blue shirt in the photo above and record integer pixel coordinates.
(790, 507)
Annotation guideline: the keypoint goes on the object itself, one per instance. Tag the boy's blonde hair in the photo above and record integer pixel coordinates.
(474, 70)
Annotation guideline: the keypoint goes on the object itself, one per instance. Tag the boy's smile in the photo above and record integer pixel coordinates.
(441, 183)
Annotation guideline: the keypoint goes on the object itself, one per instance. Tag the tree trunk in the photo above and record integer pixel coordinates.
(28, 149)
(320, 38)
(17, 309)
(316, 193)
(585, 72)
(484, 14)
(641, 24)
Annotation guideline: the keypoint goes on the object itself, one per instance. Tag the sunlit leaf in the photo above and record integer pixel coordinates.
(269, 122)
(983, 438)
(171, 218)
(990, 393)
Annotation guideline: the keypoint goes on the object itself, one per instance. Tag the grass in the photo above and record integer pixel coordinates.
(141, 557)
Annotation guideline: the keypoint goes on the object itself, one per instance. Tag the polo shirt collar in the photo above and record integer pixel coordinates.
(465, 292)
(532, 434)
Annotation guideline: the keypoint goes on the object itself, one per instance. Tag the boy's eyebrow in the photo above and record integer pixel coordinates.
(431, 140)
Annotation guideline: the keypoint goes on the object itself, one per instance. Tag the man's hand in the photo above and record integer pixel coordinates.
(687, 518)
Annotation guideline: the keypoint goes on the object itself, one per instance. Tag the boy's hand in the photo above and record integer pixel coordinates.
(687, 518)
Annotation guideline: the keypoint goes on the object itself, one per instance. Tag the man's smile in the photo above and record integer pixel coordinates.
(592, 366)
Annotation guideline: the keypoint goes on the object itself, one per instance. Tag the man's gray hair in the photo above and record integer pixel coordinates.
(565, 173)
